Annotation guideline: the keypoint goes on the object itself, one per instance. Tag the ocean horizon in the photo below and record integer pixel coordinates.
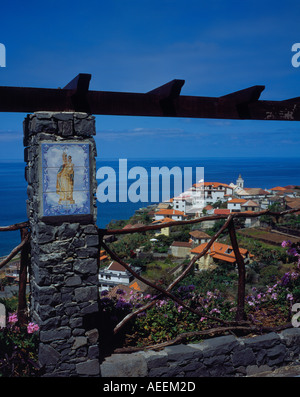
(266, 172)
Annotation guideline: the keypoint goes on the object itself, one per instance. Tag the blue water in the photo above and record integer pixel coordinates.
(256, 172)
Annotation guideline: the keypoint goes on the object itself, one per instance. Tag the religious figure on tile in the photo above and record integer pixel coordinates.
(65, 181)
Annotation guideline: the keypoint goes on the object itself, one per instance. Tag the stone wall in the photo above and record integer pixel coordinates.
(221, 356)
(64, 252)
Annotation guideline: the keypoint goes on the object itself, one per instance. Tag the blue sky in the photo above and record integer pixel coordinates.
(216, 46)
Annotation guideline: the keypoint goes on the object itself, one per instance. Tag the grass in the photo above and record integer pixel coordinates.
(157, 269)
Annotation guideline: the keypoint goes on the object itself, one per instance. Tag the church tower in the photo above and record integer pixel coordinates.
(240, 182)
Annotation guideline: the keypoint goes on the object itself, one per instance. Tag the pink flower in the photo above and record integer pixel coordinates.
(179, 308)
(290, 297)
(294, 275)
(292, 251)
(215, 310)
(13, 318)
(32, 327)
(161, 303)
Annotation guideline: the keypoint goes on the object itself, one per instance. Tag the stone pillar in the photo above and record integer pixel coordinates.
(61, 207)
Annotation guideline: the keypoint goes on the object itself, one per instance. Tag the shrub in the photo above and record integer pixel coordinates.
(18, 349)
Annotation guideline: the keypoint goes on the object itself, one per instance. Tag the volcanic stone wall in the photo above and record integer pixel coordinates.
(216, 357)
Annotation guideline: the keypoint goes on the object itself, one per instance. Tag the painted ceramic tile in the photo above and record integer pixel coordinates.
(66, 181)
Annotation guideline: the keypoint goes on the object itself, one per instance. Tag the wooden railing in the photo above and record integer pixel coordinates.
(240, 319)
(24, 249)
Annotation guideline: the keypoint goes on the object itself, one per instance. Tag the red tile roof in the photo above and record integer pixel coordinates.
(213, 184)
(255, 191)
(169, 212)
(250, 203)
(181, 244)
(164, 220)
(278, 188)
(218, 251)
(199, 234)
(116, 266)
(236, 200)
(221, 211)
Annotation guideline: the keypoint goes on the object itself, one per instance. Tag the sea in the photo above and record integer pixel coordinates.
(257, 172)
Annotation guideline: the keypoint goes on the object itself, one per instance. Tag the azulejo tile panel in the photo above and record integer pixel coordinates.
(65, 179)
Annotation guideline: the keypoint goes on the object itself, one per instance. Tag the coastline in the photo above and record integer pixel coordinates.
(257, 172)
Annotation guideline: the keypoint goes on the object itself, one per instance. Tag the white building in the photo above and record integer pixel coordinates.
(175, 215)
(235, 204)
(210, 192)
(182, 203)
(113, 275)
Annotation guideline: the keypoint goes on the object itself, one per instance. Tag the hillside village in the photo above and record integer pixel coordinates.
(202, 199)
(177, 248)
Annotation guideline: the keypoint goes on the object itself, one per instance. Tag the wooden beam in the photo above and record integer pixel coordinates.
(164, 101)
(79, 87)
(80, 83)
(168, 90)
(247, 95)
(241, 99)
(167, 93)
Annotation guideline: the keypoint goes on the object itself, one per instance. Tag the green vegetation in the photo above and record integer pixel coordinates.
(272, 285)
(18, 345)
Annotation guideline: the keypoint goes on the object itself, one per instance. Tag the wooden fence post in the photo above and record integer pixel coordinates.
(24, 265)
(240, 313)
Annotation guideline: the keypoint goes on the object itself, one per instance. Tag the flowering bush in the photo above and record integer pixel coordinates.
(18, 348)
(272, 306)
(165, 319)
(293, 250)
(212, 294)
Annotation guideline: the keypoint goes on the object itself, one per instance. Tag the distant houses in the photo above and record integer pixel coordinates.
(198, 237)
(218, 254)
(200, 200)
(205, 193)
(218, 198)
(181, 249)
(165, 230)
(234, 205)
(249, 206)
(175, 215)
